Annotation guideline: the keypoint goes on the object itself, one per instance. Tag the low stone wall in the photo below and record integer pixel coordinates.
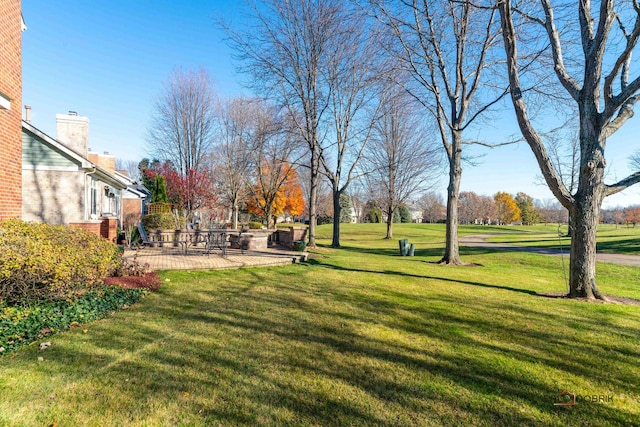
(288, 235)
(249, 241)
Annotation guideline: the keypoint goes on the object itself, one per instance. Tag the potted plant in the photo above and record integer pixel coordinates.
(298, 245)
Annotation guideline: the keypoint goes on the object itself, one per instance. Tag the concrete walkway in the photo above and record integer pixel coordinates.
(480, 240)
(197, 259)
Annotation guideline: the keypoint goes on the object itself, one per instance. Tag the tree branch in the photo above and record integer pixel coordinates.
(565, 79)
(554, 182)
(622, 185)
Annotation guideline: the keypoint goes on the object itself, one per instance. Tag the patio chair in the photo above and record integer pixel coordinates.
(217, 239)
(144, 238)
(146, 242)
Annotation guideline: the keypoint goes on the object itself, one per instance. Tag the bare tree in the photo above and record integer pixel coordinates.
(551, 211)
(634, 160)
(608, 36)
(183, 123)
(432, 205)
(445, 46)
(351, 76)
(232, 160)
(401, 163)
(284, 49)
(130, 167)
(476, 208)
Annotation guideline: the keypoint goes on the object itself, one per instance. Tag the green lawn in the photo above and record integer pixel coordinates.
(356, 336)
(611, 239)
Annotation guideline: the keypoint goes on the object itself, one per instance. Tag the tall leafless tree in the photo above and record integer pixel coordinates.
(432, 205)
(231, 156)
(476, 208)
(446, 48)
(400, 162)
(130, 167)
(634, 160)
(352, 77)
(183, 123)
(284, 49)
(608, 35)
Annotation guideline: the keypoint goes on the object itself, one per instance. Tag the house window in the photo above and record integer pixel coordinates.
(94, 199)
(5, 102)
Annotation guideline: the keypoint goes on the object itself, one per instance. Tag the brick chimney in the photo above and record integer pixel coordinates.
(106, 161)
(73, 131)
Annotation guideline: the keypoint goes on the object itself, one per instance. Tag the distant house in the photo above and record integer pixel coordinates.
(135, 200)
(60, 185)
(416, 212)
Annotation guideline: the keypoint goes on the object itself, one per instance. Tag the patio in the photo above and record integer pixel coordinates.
(174, 258)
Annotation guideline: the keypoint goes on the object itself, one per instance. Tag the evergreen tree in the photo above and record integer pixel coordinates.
(345, 208)
(405, 214)
(159, 190)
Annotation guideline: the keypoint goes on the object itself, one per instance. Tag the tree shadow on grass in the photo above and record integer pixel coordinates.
(422, 276)
(627, 246)
(266, 352)
(438, 252)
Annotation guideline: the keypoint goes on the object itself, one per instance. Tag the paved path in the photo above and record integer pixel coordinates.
(197, 259)
(480, 240)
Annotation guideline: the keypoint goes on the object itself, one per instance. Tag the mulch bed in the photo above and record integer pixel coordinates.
(149, 281)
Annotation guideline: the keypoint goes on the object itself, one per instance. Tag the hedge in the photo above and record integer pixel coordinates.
(49, 262)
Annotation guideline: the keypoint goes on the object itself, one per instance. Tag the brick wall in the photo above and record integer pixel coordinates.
(109, 228)
(105, 161)
(92, 226)
(11, 119)
(131, 212)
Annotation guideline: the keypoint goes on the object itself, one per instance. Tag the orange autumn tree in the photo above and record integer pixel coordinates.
(276, 191)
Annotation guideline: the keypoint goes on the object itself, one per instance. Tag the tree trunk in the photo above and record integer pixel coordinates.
(313, 198)
(585, 215)
(335, 241)
(234, 219)
(267, 215)
(389, 222)
(452, 249)
(582, 275)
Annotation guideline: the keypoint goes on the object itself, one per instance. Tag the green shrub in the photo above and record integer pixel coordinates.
(135, 236)
(162, 221)
(22, 325)
(45, 262)
(256, 225)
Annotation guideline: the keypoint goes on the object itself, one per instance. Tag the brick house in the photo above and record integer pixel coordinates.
(135, 199)
(62, 185)
(11, 27)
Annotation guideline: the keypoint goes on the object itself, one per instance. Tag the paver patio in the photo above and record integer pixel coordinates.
(174, 258)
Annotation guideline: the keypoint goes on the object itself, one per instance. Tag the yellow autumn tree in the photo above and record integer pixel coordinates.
(506, 208)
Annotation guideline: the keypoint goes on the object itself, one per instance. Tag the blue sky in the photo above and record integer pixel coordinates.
(107, 61)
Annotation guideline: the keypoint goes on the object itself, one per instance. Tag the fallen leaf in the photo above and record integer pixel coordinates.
(185, 394)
